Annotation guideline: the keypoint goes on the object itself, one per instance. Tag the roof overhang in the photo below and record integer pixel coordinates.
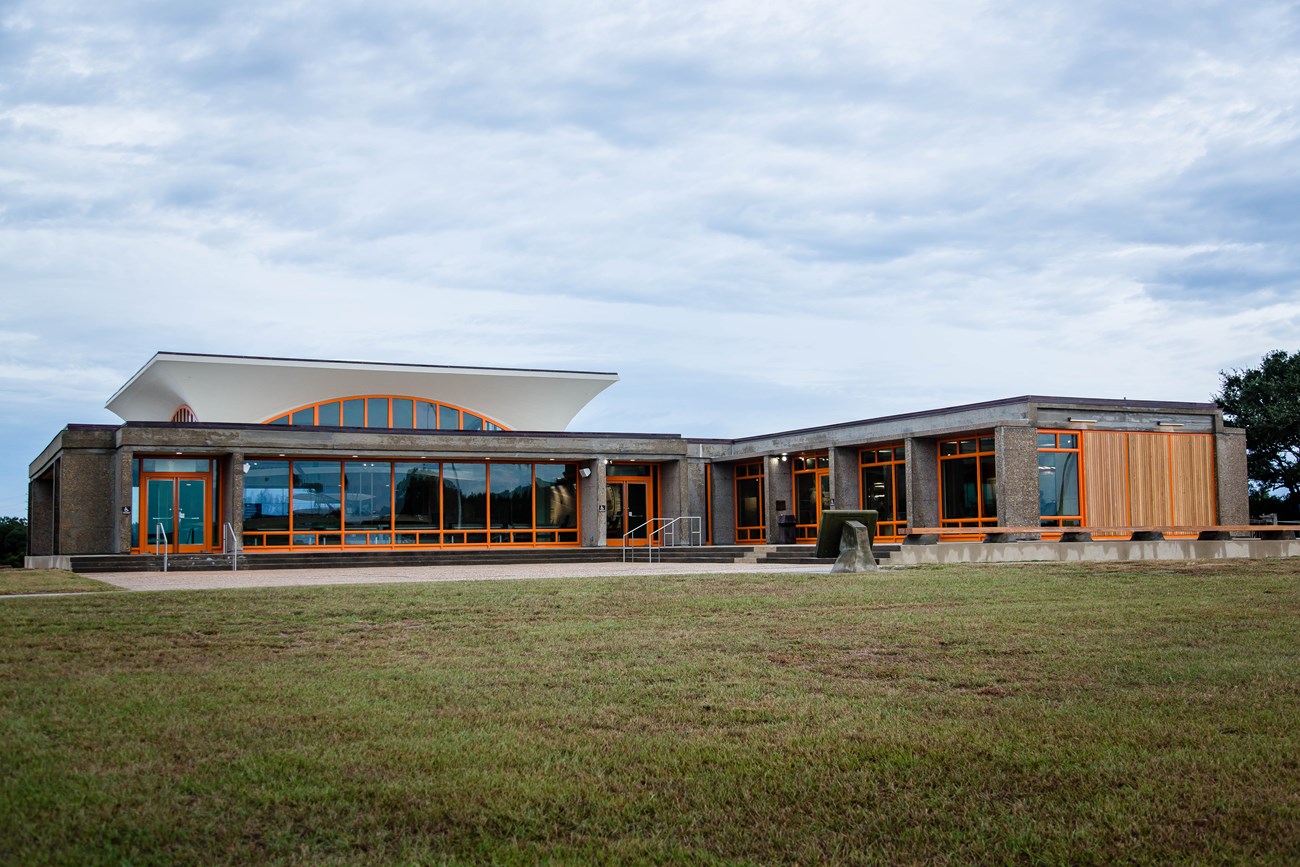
(229, 388)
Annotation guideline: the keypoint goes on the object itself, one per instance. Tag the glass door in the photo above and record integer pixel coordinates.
(812, 494)
(627, 509)
(176, 513)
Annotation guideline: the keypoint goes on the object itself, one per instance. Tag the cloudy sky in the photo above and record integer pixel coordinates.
(761, 214)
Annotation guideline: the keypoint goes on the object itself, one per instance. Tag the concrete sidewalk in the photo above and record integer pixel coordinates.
(227, 579)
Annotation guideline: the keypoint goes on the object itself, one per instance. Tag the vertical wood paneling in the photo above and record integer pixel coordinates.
(1192, 458)
(1148, 480)
(1105, 480)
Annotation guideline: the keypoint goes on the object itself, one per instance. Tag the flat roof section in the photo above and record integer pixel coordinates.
(250, 390)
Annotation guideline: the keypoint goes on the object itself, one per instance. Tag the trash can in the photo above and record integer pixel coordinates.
(785, 529)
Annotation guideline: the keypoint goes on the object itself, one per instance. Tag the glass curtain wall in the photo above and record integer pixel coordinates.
(313, 503)
(968, 482)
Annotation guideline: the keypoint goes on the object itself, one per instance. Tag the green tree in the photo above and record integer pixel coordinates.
(13, 541)
(1266, 402)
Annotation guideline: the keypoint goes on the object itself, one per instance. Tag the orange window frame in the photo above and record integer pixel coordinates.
(891, 526)
(1067, 521)
(750, 532)
(488, 423)
(820, 469)
(978, 452)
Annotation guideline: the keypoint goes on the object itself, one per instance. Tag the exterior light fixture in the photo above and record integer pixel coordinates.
(1083, 421)
(1169, 424)
(784, 457)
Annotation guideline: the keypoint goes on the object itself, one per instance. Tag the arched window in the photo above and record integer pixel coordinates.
(382, 411)
(184, 413)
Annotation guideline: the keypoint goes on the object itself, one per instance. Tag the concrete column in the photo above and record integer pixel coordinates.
(724, 504)
(922, 454)
(672, 490)
(697, 501)
(591, 491)
(1231, 480)
(846, 478)
(124, 464)
(778, 491)
(1017, 469)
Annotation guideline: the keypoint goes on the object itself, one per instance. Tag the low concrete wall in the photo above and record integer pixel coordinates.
(1070, 552)
(55, 562)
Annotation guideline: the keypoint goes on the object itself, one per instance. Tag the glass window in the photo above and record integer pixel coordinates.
(448, 418)
(1058, 483)
(1046, 441)
(988, 486)
(305, 416)
(403, 412)
(367, 495)
(948, 448)
(328, 414)
(1068, 441)
(557, 495)
(317, 492)
(628, 470)
(284, 419)
(177, 465)
(512, 495)
(464, 496)
(426, 415)
(354, 412)
(417, 496)
(749, 502)
(805, 498)
(986, 444)
(266, 496)
(878, 490)
(376, 412)
(960, 488)
(469, 421)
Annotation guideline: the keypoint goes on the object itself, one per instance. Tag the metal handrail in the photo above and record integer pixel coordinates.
(235, 547)
(165, 543)
(667, 535)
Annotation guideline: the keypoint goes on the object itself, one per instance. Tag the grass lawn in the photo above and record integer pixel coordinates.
(1028, 713)
(47, 581)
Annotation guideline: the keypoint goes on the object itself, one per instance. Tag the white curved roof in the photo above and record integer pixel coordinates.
(232, 388)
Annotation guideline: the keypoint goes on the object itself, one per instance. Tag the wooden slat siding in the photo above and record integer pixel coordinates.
(1105, 481)
(1192, 458)
(1148, 480)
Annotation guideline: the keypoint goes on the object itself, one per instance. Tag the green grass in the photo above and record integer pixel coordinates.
(13, 581)
(1080, 714)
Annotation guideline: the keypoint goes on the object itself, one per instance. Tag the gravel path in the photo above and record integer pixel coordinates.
(401, 574)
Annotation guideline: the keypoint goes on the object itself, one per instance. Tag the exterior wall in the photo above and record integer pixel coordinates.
(1017, 480)
(87, 503)
(40, 516)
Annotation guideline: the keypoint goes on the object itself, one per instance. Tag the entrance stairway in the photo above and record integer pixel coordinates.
(783, 555)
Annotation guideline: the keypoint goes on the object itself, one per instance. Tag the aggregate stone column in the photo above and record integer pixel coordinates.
(123, 511)
(1016, 464)
(591, 493)
(922, 456)
(724, 504)
(778, 488)
(671, 490)
(1230, 477)
(232, 483)
(846, 479)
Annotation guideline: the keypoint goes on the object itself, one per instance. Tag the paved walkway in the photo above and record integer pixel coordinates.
(401, 574)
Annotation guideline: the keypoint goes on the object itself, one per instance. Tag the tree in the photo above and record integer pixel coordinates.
(1266, 402)
(13, 541)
